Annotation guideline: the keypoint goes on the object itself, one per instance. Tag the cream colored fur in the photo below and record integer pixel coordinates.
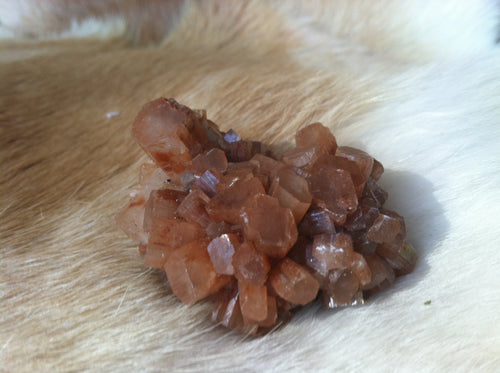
(415, 83)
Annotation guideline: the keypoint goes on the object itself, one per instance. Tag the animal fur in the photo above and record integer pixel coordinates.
(414, 83)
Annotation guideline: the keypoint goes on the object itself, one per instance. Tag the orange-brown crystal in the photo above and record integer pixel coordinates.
(250, 265)
(191, 273)
(253, 301)
(293, 283)
(269, 226)
(261, 236)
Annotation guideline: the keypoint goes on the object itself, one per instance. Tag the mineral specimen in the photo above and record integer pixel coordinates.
(258, 235)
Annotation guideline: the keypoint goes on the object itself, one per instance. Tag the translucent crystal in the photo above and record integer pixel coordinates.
(333, 250)
(269, 226)
(401, 257)
(333, 189)
(192, 208)
(151, 177)
(374, 194)
(271, 314)
(293, 283)
(301, 156)
(213, 159)
(362, 160)
(131, 220)
(253, 301)
(292, 192)
(231, 177)
(250, 265)
(170, 234)
(382, 274)
(362, 218)
(215, 229)
(240, 151)
(342, 289)
(227, 311)
(266, 165)
(227, 203)
(221, 251)
(388, 228)
(232, 136)
(377, 170)
(161, 130)
(318, 220)
(162, 204)
(191, 273)
(207, 182)
(316, 135)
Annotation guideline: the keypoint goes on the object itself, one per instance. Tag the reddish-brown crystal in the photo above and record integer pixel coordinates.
(212, 159)
(226, 205)
(271, 227)
(318, 220)
(316, 135)
(271, 314)
(377, 170)
(301, 156)
(231, 177)
(151, 177)
(240, 151)
(215, 229)
(382, 274)
(191, 273)
(227, 310)
(401, 257)
(250, 265)
(292, 192)
(373, 194)
(346, 164)
(261, 236)
(155, 257)
(253, 301)
(293, 283)
(131, 220)
(161, 129)
(341, 288)
(378, 269)
(170, 234)
(192, 208)
(162, 204)
(362, 218)
(363, 161)
(388, 228)
(334, 251)
(333, 189)
(266, 165)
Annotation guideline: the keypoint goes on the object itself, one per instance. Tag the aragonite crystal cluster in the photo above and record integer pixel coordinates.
(258, 235)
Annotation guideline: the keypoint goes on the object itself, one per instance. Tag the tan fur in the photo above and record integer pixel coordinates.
(74, 293)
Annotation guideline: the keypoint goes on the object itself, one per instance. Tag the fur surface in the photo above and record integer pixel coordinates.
(414, 83)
